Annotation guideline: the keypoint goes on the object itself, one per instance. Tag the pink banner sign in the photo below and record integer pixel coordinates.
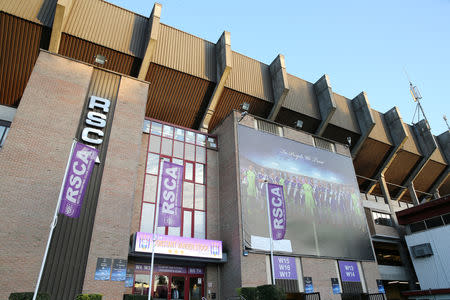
(77, 178)
(170, 195)
(176, 245)
(277, 210)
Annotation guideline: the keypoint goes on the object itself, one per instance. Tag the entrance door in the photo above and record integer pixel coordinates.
(196, 288)
(177, 287)
(161, 287)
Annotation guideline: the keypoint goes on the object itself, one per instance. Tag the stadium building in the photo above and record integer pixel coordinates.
(142, 92)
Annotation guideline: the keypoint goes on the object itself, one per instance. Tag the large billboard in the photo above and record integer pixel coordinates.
(324, 213)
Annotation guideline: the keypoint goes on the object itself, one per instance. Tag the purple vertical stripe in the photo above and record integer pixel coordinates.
(170, 195)
(277, 211)
(77, 178)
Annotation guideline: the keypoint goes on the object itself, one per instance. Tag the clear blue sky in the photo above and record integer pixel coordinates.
(361, 45)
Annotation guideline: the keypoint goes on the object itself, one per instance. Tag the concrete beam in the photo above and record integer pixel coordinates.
(224, 65)
(59, 20)
(427, 145)
(280, 84)
(398, 134)
(153, 31)
(325, 99)
(444, 146)
(363, 113)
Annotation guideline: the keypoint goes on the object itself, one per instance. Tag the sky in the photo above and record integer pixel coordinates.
(371, 46)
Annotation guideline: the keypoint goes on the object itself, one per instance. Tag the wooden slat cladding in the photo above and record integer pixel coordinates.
(68, 254)
(428, 175)
(251, 77)
(80, 49)
(186, 53)
(108, 25)
(445, 187)
(20, 41)
(176, 97)
(399, 169)
(231, 99)
(37, 11)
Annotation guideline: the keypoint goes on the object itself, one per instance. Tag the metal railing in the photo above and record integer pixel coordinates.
(312, 296)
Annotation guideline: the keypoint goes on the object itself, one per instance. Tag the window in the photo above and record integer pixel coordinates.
(434, 222)
(418, 226)
(183, 147)
(446, 218)
(382, 218)
(4, 129)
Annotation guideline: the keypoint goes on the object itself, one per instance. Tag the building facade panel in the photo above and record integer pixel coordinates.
(33, 159)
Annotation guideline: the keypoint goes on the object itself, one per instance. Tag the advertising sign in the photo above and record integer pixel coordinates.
(129, 278)
(170, 269)
(170, 195)
(176, 245)
(335, 286)
(277, 210)
(284, 267)
(77, 178)
(309, 288)
(119, 270)
(349, 271)
(324, 214)
(103, 270)
(380, 286)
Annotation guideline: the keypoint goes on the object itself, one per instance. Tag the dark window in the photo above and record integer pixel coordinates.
(446, 218)
(4, 129)
(434, 222)
(418, 226)
(387, 254)
(382, 218)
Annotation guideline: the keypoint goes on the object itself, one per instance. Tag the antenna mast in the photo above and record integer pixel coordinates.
(416, 97)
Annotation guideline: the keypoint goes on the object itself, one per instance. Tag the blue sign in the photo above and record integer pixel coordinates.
(380, 286)
(103, 270)
(129, 278)
(309, 288)
(335, 286)
(119, 270)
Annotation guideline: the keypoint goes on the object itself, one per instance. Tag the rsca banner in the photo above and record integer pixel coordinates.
(170, 195)
(324, 216)
(277, 210)
(77, 178)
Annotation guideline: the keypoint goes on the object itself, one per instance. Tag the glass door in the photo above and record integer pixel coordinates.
(161, 287)
(195, 288)
(177, 287)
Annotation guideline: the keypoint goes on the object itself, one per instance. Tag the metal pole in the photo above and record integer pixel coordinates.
(154, 234)
(270, 233)
(53, 224)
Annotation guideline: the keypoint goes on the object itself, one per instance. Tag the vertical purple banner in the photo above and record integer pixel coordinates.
(277, 210)
(284, 267)
(349, 271)
(77, 178)
(170, 195)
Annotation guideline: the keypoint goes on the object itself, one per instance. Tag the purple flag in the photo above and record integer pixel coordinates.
(77, 178)
(277, 210)
(170, 195)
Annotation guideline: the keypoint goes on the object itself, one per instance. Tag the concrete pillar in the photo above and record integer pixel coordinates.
(363, 113)
(59, 20)
(153, 31)
(280, 84)
(325, 99)
(413, 194)
(404, 255)
(398, 135)
(224, 65)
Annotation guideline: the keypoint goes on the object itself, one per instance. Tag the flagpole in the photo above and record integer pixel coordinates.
(154, 232)
(53, 224)
(270, 233)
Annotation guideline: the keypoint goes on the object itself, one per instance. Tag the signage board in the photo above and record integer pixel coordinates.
(119, 270)
(103, 269)
(335, 286)
(284, 267)
(176, 245)
(170, 195)
(309, 288)
(277, 210)
(129, 278)
(380, 286)
(349, 271)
